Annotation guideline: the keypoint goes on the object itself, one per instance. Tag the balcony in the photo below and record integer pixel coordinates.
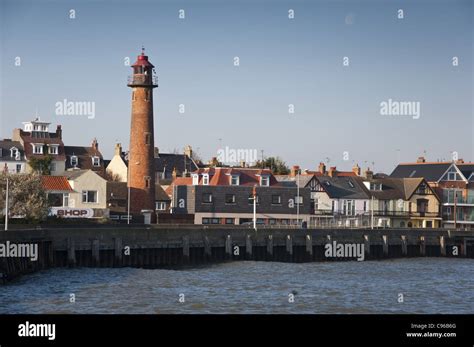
(142, 80)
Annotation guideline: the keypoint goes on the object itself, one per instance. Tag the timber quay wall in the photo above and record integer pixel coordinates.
(171, 246)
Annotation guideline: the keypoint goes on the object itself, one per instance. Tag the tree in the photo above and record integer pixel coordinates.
(27, 197)
(41, 165)
(276, 164)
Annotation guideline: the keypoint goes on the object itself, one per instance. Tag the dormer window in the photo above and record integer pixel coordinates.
(53, 149)
(15, 153)
(234, 180)
(205, 179)
(265, 181)
(375, 186)
(73, 160)
(195, 179)
(96, 161)
(37, 148)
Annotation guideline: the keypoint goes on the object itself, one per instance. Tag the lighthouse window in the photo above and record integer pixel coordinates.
(147, 138)
(147, 95)
(133, 96)
(147, 181)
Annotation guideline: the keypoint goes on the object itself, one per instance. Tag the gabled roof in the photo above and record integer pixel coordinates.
(432, 172)
(294, 181)
(169, 161)
(344, 187)
(55, 183)
(6, 145)
(84, 157)
(74, 174)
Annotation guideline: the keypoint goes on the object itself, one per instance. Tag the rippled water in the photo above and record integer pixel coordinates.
(429, 285)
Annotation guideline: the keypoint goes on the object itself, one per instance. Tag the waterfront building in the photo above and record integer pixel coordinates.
(85, 158)
(224, 195)
(12, 157)
(454, 184)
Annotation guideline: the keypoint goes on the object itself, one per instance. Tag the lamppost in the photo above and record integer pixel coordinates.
(6, 207)
(254, 193)
(298, 198)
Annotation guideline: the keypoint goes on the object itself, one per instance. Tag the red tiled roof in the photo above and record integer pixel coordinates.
(179, 181)
(59, 183)
(220, 176)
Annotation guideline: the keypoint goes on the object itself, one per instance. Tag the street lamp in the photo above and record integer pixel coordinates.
(6, 207)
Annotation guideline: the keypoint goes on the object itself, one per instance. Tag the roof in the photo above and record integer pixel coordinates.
(84, 157)
(395, 188)
(220, 176)
(167, 162)
(6, 145)
(344, 187)
(55, 183)
(119, 191)
(294, 181)
(73, 174)
(179, 181)
(430, 171)
(49, 139)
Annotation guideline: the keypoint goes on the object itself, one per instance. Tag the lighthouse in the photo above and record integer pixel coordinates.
(141, 173)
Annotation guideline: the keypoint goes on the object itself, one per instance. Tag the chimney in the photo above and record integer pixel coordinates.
(332, 171)
(322, 168)
(213, 162)
(356, 169)
(157, 152)
(188, 150)
(118, 149)
(59, 132)
(421, 160)
(460, 161)
(242, 163)
(369, 174)
(95, 144)
(294, 170)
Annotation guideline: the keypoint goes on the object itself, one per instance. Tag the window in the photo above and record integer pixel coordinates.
(66, 199)
(205, 221)
(365, 205)
(52, 167)
(147, 181)
(299, 200)
(230, 198)
(316, 204)
(375, 186)
(14, 153)
(53, 149)
(276, 199)
(264, 181)
(133, 96)
(195, 179)
(56, 199)
(452, 176)
(251, 199)
(147, 139)
(348, 207)
(350, 184)
(215, 221)
(230, 221)
(73, 160)
(89, 196)
(207, 198)
(160, 206)
(37, 149)
(234, 180)
(18, 168)
(205, 179)
(96, 161)
(422, 189)
(327, 183)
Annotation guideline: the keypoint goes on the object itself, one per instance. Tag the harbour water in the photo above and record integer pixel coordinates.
(426, 285)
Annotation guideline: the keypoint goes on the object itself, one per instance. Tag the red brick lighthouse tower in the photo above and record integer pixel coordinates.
(141, 156)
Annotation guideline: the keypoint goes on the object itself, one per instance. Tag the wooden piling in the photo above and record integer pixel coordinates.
(442, 246)
(309, 244)
(71, 252)
(207, 247)
(289, 245)
(270, 245)
(385, 245)
(422, 246)
(228, 246)
(96, 252)
(248, 246)
(404, 245)
(367, 245)
(118, 251)
(186, 248)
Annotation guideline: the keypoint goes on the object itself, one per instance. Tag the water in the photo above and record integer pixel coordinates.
(429, 285)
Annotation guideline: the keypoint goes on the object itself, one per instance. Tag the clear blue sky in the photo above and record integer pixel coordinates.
(282, 62)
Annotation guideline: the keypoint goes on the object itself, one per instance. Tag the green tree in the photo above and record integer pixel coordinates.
(27, 197)
(276, 164)
(41, 165)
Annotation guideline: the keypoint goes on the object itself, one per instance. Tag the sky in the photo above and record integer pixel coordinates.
(337, 115)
